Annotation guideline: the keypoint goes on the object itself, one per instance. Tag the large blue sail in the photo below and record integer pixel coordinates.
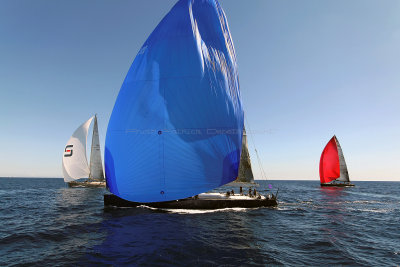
(176, 127)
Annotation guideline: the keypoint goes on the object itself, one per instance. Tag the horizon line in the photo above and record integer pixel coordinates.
(272, 179)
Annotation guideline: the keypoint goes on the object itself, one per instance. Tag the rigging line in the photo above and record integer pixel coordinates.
(261, 167)
(263, 174)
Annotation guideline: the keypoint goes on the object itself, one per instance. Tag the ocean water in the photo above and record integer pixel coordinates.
(42, 222)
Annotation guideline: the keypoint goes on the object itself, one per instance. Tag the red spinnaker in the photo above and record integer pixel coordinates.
(329, 166)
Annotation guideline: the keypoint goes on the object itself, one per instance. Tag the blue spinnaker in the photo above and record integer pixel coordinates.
(176, 127)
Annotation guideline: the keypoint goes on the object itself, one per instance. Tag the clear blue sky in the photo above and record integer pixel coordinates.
(308, 70)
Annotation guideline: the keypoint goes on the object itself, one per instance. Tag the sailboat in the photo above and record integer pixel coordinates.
(176, 128)
(77, 172)
(332, 166)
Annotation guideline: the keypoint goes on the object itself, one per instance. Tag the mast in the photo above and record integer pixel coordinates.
(344, 174)
(96, 166)
(245, 171)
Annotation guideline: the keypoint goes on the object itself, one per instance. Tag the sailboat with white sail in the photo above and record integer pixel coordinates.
(76, 170)
(177, 125)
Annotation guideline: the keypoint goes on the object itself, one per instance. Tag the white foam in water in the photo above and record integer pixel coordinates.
(366, 202)
(193, 211)
(187, 211)
(370, 210)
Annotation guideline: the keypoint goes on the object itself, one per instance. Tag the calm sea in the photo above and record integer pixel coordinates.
(45, 223)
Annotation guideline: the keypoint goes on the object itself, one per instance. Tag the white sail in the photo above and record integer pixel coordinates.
(344, 174)
(245, 172)
(96, 166)
(74, 161)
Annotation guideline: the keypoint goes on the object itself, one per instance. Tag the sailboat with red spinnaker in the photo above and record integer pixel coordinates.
(332, 166)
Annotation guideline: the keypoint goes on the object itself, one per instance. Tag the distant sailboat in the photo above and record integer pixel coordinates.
(176, 128)
(332, 166)
(74, 160)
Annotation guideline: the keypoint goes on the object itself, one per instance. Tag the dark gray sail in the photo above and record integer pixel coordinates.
(96, 166)
(344, 174)
(245, 172)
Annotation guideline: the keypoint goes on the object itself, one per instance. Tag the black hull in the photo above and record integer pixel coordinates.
(190, 203)
(338, 185)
